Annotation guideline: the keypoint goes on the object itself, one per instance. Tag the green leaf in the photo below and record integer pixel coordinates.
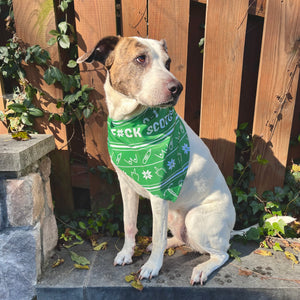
(64, 41)
(229, 180)
(87, 112)
(35, 112)
(63, 6)
(54, 32)
(82, 225)
(81, 260)
(17, 107)
(72, 63)
(253, 234)
(63, 27)
(52, 75)
(243, 126)
(261, 160)
(234, 253)
(277, 247)
(52, 41)
(25, 119)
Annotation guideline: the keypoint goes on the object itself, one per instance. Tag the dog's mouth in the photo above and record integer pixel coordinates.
(170, 103)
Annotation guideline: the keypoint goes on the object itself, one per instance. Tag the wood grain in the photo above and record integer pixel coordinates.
(33, 20)
(277, 89)
(223, 61)
(95, 20)
(256, 7)
(169, 20)
(134, 18)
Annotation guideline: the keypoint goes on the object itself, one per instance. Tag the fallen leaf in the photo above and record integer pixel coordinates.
(101, 246)
(129, 278)
(170, 251)
(77, 266)
(245, 272)
(263, 252)
(58, 262)
(80, 260)
(21, 136)
(74, 244)
(137, 285)
(138, 251)
(291, 257)
(93, 241)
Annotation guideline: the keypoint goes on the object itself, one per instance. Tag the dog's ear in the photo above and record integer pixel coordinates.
(164, 45)
(101, 51)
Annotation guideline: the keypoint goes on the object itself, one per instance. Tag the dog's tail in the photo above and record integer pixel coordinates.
(286, 219)
(242, 232)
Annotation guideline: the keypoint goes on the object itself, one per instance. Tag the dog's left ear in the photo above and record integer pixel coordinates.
(164, 45)
(101, 51)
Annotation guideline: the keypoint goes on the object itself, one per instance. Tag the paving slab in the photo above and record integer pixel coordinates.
(251, 277)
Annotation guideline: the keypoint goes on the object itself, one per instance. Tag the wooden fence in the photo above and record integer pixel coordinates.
(249, 73)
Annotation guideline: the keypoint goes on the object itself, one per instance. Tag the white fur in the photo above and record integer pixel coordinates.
(202, 216)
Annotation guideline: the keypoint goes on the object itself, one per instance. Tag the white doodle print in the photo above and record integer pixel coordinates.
(171, 145)
(182, 129)
(160, 171)
(170, 191)
(171, 164)
(146, 120)
(185, 148)
(179, 156)
(131, 160)
(146, 157)
(161, 154)
(118, 158)
(135, 175)
(147, 174)
(180, 182)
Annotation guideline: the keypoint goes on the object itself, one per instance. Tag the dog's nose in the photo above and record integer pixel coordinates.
(175, 88)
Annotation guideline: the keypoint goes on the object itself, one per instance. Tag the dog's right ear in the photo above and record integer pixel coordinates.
(101, 51)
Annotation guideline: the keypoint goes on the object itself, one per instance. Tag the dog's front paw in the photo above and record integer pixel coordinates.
(149, 269)
(123, 258)
(198, 276)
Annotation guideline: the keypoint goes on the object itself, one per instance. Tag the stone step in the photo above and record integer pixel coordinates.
(253, 277)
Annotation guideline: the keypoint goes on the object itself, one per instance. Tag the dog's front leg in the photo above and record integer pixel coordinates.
(130, 211)
(159, 238)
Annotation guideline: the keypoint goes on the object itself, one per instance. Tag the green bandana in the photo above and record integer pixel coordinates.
(153, 149)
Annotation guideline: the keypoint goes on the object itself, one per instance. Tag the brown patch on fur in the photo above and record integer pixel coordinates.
(126, 73)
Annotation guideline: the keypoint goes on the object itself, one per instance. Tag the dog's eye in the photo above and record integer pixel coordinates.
(168, 64)
(141, 59)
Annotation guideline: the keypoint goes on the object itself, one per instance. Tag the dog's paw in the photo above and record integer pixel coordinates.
(123, 258)
(198, 276)
(149, 270)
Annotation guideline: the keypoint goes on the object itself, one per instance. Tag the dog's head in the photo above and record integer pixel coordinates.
(138, 68)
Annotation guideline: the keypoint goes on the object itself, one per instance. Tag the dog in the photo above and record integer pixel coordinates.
(197, 207)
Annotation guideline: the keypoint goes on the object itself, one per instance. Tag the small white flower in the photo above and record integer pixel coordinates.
(120, 133)
(185, 149)
(171, 164)
(147, 174)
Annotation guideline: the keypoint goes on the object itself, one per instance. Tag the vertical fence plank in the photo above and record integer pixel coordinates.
(34, 19)
(94, 20)
(223, 59)
(134, 18)
(3, 129)
(169, 20)
(277, 88)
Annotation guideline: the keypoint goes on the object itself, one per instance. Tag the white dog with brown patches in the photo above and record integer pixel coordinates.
(139, 88)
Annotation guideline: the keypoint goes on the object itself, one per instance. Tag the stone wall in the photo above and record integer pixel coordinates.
(28, 231)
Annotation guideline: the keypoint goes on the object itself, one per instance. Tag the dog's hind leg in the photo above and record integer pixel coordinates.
(208, 230)
(130, 207)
